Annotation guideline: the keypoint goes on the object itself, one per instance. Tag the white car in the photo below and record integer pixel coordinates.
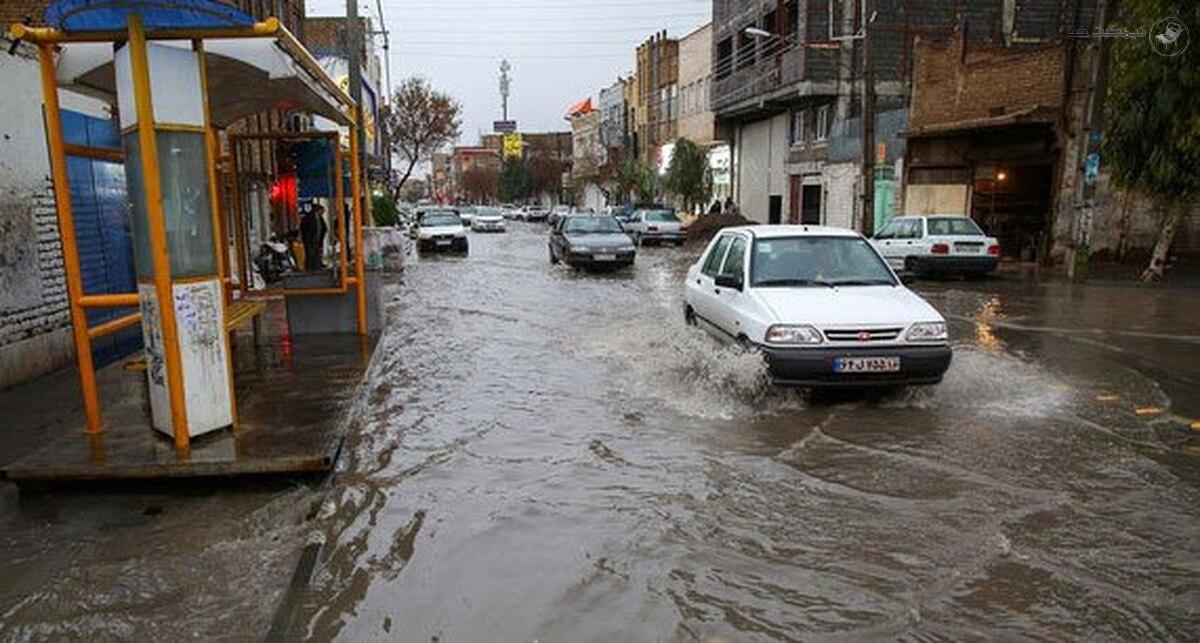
(937, 243)
(466, 213)
(440, 230)
(488, 220)
(655, 225)
(821, 305)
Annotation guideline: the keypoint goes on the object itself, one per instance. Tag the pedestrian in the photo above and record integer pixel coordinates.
(731, 207)
(312, 233)
(715, 208)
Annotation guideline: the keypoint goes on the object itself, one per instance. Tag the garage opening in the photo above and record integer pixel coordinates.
(1013, 205)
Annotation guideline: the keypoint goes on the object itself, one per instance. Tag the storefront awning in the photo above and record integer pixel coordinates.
(108, 15)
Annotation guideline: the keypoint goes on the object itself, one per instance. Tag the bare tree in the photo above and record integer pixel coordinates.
(421, 121)
(480, 184)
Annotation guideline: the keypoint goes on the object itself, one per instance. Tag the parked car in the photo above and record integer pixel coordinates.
(655, 225)
(821, 305)
(938, 243)
(590, 241)
(488, 219)
(440, 230)
(510, 211)
(466, 213)
(624, 214)
(533, 213)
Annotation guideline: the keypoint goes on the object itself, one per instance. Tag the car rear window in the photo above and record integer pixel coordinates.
(661, 216)
(946, 226)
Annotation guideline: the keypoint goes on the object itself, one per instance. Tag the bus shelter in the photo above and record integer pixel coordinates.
(179, 73)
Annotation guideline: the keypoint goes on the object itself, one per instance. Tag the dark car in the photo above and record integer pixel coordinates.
(590, 241)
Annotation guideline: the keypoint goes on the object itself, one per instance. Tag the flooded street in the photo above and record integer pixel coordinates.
(553, 455)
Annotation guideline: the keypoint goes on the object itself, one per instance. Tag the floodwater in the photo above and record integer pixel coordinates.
(553, 455)
(544, 454)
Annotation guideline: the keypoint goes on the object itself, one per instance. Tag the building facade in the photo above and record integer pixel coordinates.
(614, 123)
(657, 115)
(791, 99)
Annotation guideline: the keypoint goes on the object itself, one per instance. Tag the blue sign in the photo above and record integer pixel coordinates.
(1091, 168)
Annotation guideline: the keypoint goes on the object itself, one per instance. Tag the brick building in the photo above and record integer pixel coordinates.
(790, 99)
(656, 119)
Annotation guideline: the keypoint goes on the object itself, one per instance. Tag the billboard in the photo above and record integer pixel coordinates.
(513, 145)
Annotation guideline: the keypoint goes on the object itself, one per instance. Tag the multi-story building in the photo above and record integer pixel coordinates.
(468, 159)
(589, 156)
(658, 96)
(35, 333)
(696, 119)
(614, 113)
(788, 85)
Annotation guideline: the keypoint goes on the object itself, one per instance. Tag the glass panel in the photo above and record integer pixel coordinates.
(143, 261)
(186, 211)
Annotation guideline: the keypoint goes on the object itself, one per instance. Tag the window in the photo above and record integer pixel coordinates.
(724, 58)
(817, 262)
(712, 265)
(736, 262)
(944, 226)
(745, 50)
(798, 132)
(910, 229)
(888, 231)
(822, 127)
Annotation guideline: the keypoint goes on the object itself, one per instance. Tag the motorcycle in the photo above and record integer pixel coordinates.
(274, 259)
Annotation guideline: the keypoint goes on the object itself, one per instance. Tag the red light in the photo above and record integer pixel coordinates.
(940, 249)
(994, 251)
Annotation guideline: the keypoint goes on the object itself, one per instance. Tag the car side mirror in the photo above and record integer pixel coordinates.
(728, 281)
(907, 277)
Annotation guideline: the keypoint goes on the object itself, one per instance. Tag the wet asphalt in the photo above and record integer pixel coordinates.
(546, 454)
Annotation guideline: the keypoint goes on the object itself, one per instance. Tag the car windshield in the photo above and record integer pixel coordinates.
(435, 219)
(662, 216)
(817, 261)
(591, 225)
(487, 212)
(944, 226)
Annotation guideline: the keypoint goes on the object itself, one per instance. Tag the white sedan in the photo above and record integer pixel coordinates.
(440, 230)
(820, 304)
(938, 243)
(488, 220)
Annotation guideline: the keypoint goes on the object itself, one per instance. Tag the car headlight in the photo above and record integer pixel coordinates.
(628, 248)
(927, 332)
(793, 335)
(583, 249)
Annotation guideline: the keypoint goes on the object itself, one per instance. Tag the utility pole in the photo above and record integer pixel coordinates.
(1089, 133)
(505, 84)
(867, 225)
(354, 45)
(384, 134)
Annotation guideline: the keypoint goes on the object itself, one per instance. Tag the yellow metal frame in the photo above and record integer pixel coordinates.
(46, 39)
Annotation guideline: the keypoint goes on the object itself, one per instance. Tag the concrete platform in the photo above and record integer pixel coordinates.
(293, 396)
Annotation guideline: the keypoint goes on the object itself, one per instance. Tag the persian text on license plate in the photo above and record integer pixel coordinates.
(605, 257)
(967, 248)
(866, 365)
(443, 243)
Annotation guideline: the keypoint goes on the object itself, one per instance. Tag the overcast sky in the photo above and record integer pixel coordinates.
(561, 51)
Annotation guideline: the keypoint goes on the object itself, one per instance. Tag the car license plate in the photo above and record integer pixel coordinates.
(965, 248)
(605, 257)
(443, 243)
(866, 365)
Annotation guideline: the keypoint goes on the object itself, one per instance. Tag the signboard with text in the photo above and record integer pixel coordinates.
(504, 127)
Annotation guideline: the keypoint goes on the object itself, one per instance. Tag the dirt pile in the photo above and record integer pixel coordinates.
(707, 225)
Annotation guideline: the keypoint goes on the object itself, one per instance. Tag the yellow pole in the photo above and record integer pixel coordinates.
(210, 139)
(239, 231)
(356, 191)
(147, 139)
(66, 228)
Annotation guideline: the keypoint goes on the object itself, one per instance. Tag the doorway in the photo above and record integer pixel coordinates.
(775, 209)
(810, 205)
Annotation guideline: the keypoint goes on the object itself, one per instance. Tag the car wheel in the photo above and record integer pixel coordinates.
(689, 316)
(910, 264)
(637, 239)
(553, 257)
